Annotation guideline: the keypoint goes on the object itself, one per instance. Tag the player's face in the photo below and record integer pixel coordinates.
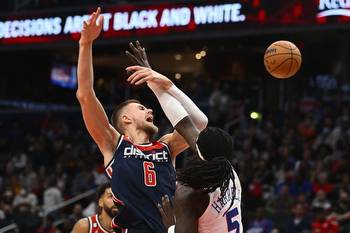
(142, 118)
(108, 204)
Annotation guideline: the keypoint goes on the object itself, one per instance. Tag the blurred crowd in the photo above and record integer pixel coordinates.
(293, 162)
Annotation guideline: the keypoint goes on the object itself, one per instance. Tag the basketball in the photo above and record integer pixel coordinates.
(282, 59)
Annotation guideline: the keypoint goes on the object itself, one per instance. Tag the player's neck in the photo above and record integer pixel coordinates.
(138, 136)
(105, 221)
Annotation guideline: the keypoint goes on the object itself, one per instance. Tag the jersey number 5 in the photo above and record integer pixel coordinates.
(232, 225)
(150, 176)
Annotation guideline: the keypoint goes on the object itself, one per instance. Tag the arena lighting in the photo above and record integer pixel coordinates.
(255, 115)
(178, 57)
(198, 56)
(203, 53)
(178, 76)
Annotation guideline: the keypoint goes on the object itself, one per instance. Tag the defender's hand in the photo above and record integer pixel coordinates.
(167, 212)
(92, 27)
(138, 55)
(142, 74)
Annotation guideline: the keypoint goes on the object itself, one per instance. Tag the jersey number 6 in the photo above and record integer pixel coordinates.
(150, 176)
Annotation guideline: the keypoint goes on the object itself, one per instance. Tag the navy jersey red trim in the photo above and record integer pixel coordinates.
(140, 175)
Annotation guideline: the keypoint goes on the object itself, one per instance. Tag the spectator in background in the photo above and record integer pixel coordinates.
(299, 223)
(342, 210)
(282, 203)
(26, 220)
(52, 195)
(321, 201)
(322, 184)
(48, 226)
(76, 215)
(26, 197)
(324, 222)
(260, 224)
(83, 181)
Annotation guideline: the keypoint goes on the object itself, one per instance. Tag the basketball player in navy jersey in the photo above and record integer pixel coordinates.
(208, 195)
(141, 171)
(100, 222)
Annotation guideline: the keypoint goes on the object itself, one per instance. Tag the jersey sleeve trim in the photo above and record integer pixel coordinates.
(100, 226)
(120, 140)
(90, 224)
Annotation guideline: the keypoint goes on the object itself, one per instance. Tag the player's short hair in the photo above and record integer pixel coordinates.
(115, 121)
(101, 190)
(214, 142)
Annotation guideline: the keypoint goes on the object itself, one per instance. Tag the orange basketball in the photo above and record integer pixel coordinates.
(282, 59)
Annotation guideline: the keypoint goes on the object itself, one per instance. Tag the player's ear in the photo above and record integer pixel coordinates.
(126, 119)
(100, 203)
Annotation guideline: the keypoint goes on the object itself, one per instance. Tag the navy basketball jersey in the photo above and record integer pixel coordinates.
(140, 175)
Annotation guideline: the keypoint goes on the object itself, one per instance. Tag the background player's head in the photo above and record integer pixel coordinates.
(215, 171)
(105, 201)
(214, 142)
(132, 115)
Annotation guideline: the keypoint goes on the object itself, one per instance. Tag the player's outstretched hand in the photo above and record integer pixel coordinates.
(138, 55)
(142, 75)
(92, 27)
(167, 212)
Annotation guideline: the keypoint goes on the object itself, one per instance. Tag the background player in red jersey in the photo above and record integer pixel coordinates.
(100, 222)
(141, 171)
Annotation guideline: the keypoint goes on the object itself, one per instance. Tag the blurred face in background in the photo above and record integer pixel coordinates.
(106, 203)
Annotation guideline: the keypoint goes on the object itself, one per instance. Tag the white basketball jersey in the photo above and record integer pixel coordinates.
(214, 220)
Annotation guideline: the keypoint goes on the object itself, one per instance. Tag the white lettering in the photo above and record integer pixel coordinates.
(56, 24)
(68, 27)
(175, 17)
(142, 18)
(118, 20)
(15, 29)
(218, 14)
(26, 27)
(106, 18)
(138, 20)
(333, 7)
(333, 4)
(2, 30)
(30, 27)
(152, 19)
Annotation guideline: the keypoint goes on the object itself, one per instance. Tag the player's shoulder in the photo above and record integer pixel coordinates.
(191, 198)
(82, 226)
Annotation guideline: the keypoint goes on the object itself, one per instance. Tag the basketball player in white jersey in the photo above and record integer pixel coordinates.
(208, 196)
(100, 222)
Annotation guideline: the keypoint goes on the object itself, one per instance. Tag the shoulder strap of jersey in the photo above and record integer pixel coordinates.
(90, 219)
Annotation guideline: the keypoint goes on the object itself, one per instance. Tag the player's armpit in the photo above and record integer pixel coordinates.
(82, 226)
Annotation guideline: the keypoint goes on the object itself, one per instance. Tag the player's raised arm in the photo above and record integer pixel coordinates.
(186, 132)
(95, 118)
(162, 83)
(188, 127)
